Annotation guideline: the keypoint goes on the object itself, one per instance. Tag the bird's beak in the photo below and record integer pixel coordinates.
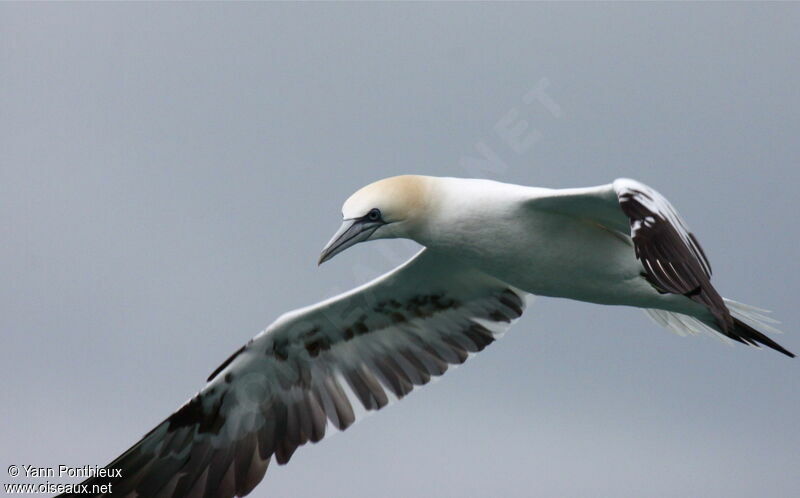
(349, 234)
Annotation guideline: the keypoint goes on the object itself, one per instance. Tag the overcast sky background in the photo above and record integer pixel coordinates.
(169, 173)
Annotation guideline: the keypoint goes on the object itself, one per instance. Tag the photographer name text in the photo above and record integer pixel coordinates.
(32, 471)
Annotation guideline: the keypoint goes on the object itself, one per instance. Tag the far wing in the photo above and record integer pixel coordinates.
(670, 254)
(293, 381)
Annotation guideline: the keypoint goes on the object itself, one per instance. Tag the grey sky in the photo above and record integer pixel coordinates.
(169, 173)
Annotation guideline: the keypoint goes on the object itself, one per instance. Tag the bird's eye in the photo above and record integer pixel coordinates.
(374, 214)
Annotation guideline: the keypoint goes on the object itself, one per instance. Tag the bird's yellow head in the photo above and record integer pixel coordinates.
(388, 208)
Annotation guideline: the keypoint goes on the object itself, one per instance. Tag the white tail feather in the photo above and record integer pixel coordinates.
(753, 316)
(687, 325)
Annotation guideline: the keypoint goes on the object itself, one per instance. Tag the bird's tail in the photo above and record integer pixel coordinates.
(750, 323)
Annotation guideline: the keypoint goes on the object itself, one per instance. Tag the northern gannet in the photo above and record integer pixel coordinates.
(487, 247)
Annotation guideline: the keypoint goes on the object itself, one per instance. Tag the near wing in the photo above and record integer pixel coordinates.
(290, 383)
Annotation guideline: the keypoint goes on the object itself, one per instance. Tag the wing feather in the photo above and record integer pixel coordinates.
(670, 253)
(308, 370)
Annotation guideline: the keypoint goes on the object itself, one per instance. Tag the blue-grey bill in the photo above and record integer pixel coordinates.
(349, 234)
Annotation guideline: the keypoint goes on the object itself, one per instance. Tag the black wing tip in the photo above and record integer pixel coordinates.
(748, 335)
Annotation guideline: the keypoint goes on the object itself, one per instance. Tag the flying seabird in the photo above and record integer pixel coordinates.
(487, 247)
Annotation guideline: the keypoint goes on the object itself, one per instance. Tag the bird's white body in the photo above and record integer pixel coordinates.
(498, 228)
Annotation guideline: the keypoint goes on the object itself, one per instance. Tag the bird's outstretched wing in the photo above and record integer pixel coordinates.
(304, 374)
(672, 258)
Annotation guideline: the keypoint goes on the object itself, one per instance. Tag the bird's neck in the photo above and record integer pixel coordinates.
(464, 212)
